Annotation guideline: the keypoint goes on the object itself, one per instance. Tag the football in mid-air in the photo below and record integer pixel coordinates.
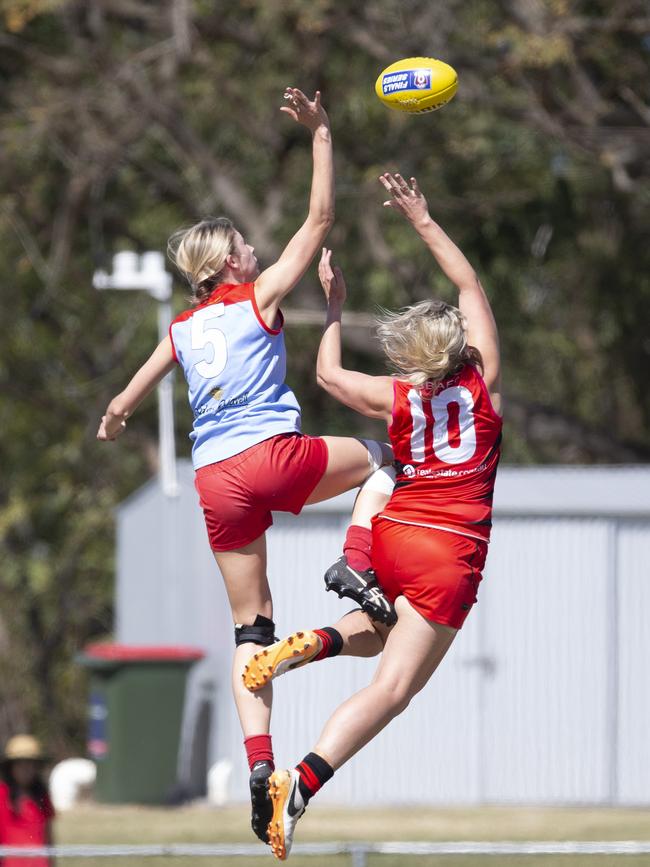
(417, 84)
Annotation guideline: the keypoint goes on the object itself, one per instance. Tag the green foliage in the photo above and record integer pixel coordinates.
(120, 122)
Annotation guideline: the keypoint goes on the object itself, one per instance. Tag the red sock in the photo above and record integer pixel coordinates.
(357, 547)
(259, 749)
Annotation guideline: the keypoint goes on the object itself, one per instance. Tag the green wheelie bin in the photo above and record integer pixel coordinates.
(137, 696)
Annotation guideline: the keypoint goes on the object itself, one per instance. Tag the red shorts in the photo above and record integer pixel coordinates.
(239, 493)
(438, 572)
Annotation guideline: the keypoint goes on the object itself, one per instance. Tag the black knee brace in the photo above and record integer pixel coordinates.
(261, 632)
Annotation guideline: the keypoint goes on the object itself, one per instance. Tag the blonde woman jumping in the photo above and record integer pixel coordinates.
(249, 455)
(429, 542)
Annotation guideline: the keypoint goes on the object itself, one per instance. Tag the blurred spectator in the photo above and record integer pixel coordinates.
(26, 812)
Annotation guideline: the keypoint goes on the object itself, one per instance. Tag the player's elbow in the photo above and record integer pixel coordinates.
(322, 220)
(326, 378)
(327, 218)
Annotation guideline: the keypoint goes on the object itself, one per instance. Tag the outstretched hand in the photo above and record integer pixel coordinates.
(331, 279)
(110, 428)
(406, 200)
(308, 112)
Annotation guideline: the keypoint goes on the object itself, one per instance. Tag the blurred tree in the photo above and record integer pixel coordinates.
(122, 119)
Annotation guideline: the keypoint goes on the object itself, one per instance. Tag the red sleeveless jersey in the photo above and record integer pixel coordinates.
(447, 446)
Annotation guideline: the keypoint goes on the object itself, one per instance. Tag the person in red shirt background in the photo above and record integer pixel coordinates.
(26, 812)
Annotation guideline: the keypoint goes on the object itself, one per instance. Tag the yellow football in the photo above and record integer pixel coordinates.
(417, 84)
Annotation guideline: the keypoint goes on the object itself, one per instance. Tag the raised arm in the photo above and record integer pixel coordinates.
(472, 300)
(279, 279)
(369, 395)
(158, 365)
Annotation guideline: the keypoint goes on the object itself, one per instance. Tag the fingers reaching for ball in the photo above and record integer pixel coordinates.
(308, 112)
(296, 99)
(407, 200)
(396, 184)
(402, 185)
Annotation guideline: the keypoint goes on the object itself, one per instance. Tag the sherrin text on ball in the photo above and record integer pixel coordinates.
(417, 84)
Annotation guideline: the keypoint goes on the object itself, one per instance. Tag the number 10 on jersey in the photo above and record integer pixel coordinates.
(448, 424)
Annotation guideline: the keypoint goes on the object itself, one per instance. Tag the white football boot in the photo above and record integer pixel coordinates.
(288, 807)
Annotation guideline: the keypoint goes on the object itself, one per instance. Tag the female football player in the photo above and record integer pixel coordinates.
(249, 455)
(429, 542)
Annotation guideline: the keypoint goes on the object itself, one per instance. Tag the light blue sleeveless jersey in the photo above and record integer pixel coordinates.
(235, 366)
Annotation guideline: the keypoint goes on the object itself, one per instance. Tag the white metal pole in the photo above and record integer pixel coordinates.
(166, 435)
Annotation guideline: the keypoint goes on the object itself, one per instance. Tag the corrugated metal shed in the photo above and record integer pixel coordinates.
(544, 697)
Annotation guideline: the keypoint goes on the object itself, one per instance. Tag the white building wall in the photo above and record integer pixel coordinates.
(632, 661)
(543, 698)
(544, 618)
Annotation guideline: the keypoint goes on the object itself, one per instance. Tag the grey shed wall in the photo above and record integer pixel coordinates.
(543, 698)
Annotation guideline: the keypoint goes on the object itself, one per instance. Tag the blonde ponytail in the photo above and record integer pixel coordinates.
(425, 342)
(200, 253)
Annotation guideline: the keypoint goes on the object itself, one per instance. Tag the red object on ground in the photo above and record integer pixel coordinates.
(143, 653)
(28, 826)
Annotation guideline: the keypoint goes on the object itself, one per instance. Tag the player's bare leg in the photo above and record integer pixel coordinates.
(349, 465)
(362, 636)
(372, 497)
(414, 649)
(244, 574)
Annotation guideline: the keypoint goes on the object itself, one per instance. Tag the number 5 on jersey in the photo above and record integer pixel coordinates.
(211, 339)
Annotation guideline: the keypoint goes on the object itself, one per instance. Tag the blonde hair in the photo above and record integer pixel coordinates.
(200, 253)
(426, 341)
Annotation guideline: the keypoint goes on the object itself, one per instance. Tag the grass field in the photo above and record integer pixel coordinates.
(197, 824)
